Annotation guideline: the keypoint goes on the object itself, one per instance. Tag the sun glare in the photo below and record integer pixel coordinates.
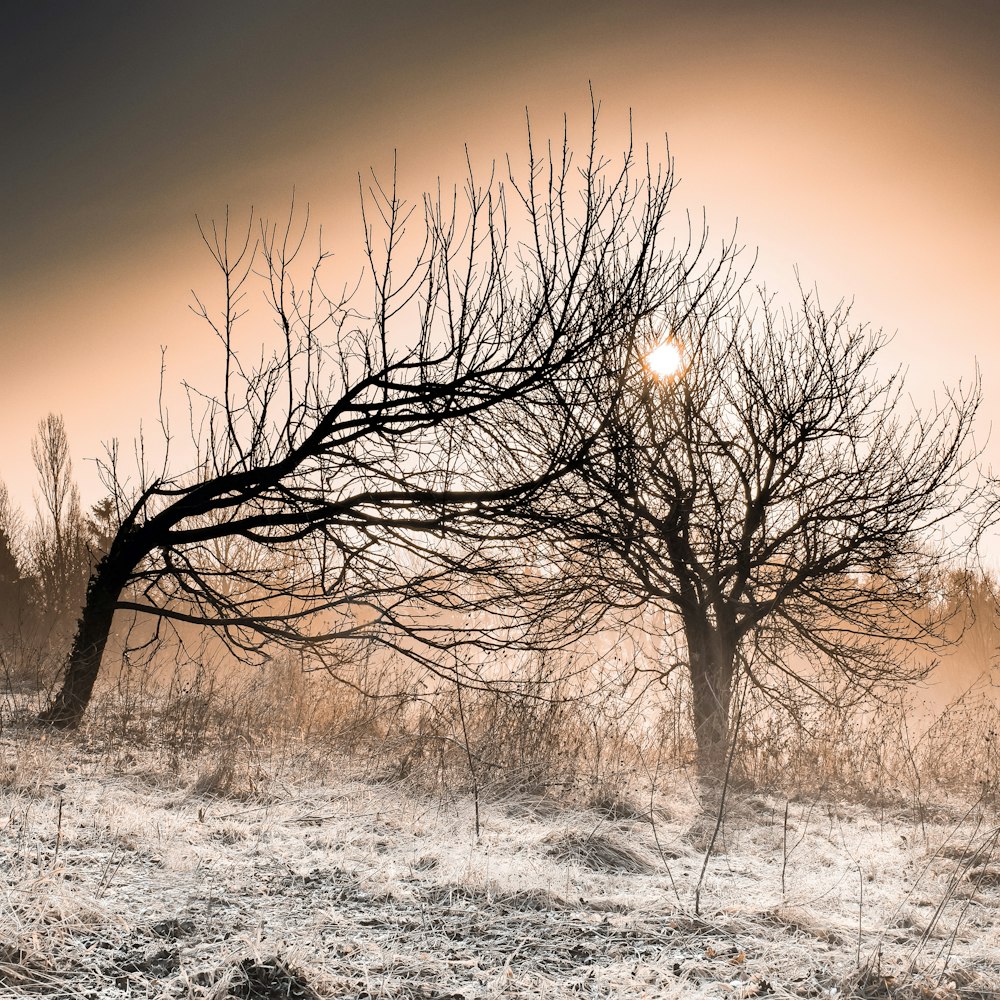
(666, 360)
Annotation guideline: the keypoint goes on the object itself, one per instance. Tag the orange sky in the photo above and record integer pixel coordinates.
(859, 142)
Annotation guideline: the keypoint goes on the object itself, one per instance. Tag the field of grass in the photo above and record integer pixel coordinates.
(234, 872)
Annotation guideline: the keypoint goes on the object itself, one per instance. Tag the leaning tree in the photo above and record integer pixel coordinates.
(386, 443)
(767, 486)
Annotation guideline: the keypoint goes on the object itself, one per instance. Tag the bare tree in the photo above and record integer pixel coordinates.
(775, 494)
(58, 550)
(348, 481)
(12, 577)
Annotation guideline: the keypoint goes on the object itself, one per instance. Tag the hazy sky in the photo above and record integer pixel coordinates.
(859, 142)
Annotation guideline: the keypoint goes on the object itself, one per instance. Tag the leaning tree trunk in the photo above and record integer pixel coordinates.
(711, 657)
(93, 628)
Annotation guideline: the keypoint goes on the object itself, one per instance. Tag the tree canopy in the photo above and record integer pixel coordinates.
(778, 496)
(388, 442)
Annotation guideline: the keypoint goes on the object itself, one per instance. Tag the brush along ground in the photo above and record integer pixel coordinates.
(123, 880)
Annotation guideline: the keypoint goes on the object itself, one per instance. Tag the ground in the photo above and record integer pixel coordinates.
(134, 874)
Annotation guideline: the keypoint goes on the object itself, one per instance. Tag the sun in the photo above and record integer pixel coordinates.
(666, 359)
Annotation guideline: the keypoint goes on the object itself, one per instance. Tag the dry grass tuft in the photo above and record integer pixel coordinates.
(616, 804)
(266, 979)
(801, 921)
(873, 984)
(599, 852)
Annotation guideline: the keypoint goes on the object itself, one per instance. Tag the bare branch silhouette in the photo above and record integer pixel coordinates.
(366, 477)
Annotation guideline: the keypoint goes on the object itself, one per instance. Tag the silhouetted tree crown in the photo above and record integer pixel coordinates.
(364, 476)
(779, 498)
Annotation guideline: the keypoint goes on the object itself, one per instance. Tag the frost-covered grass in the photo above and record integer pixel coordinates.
(128, 874)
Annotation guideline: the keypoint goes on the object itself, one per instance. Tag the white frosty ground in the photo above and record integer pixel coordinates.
(319, 884)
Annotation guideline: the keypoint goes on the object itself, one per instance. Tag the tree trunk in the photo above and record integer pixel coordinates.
(711, 656)
(92, 631)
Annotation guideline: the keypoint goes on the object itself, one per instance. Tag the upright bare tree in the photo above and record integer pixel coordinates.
(380, 452)
(12, 576)
(765, 484)
(57, 542)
